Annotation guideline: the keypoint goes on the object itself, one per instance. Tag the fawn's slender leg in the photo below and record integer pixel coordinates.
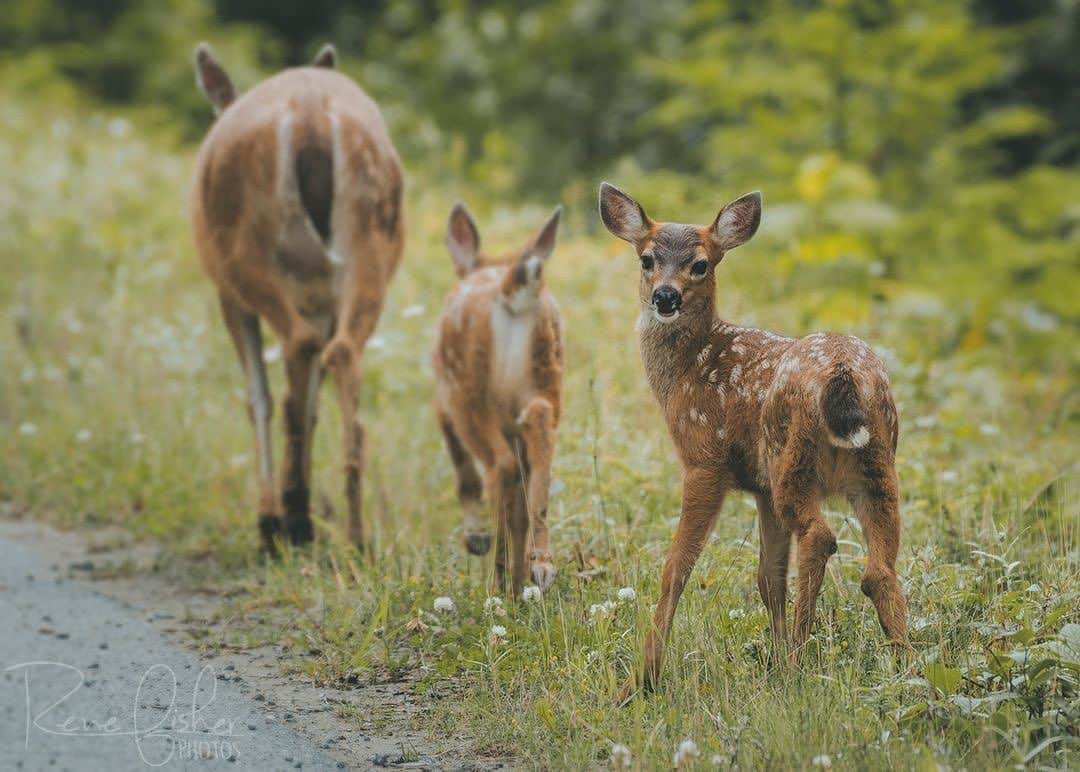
(244, 330)
(772, 571)
(877, 507)
(703, 493)
(537, 423)
(470, 488)
(304, 374)
(518, 525)
(796, 496)
(503, 482)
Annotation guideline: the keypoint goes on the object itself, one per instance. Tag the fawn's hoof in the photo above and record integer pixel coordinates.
(478, 542)
(543, 574)
(299, 530)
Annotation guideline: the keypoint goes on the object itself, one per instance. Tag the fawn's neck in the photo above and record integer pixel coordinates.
(669, 351)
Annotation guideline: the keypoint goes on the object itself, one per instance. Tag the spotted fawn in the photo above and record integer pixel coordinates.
(789, 420)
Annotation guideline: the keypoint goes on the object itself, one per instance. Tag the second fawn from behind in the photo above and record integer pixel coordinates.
(498, 384)
(789, 420)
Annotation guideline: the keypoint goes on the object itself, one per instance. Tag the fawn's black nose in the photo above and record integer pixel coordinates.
(666, 300)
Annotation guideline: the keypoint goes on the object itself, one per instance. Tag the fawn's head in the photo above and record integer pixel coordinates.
(524, 277)
(677, 261)
(218, 87)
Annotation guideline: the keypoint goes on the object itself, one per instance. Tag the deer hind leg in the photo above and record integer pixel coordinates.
(477, 535)
(369, 265)
(798, 500)
(537, 423)
(877, 507)
(246, 335)
(772, 572)
(304, 375)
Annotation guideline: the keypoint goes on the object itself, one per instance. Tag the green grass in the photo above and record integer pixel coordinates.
(121, 403)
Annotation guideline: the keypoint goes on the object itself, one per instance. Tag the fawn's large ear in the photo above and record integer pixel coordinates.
(622, 215)
(543, 243)
(327, 57)
(462, 239)
(737, 222)
(212, 78)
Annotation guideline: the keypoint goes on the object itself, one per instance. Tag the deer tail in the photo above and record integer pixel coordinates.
(845, 420)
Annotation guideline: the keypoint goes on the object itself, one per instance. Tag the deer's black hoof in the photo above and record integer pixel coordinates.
(269, 530)
(299, 530)
(478, 543)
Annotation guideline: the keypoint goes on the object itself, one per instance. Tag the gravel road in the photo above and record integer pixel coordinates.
(86, 683)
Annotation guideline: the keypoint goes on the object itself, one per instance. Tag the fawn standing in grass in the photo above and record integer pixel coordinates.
(498, 382)
(789, 420)
(297, 213)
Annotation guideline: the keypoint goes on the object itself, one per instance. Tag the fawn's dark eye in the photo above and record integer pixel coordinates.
(699, 268)
(647, 263)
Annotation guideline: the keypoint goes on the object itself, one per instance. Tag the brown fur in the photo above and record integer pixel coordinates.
(498, 373)
(754, 411)
(292, 186)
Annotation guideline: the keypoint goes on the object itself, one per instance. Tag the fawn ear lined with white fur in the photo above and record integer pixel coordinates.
(462, 239)
(622, 215)
(738, 221)
(212, 78)
(327, 57)
(543, 243)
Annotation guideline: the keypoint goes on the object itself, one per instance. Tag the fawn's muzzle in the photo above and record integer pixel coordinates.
(666, 300)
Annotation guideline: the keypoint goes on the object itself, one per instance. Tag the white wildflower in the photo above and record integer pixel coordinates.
(83, 435)
(989, 430)
(494, 606)
(717, 760)
(824, 761)
(496, 635)
(531, 594)
(119, 128)
(627, 595)
(272, 354)
(687, 752)
(949, 475)
(28, 374)
(602, 610)
(621, 758)
(736, 613)
(27, 429)
(444, 604)
(414, 310)
(136, 438)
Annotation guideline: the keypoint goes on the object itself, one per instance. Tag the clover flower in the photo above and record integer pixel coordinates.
(621, 758)
(686, 752)
(494, 606)
(444, 604)
(531, 594)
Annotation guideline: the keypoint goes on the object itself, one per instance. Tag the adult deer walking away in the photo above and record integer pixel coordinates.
(789, 420)
(498, 374)
(297, 213)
